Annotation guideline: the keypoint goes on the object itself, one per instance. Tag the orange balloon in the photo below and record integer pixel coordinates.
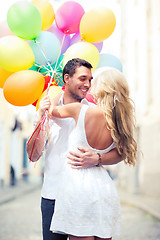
(97, 24)
(24, 87)
(53, 91)
(3, 76)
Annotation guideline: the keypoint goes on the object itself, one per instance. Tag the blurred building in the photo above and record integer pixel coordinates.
(5, 126)
(140, 55)
(14, 132)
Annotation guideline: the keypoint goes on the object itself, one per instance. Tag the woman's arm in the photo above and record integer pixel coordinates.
(55, 100)
(65, 111)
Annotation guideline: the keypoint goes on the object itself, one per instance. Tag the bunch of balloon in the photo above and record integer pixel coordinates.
(37, 42)
(20, 85)
(67, 20)
(95, 26)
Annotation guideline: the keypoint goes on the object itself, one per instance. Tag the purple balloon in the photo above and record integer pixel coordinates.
(60, 35)
(77, 38)
(98, 45)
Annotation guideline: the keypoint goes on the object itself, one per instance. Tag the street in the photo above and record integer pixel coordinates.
(20, 219)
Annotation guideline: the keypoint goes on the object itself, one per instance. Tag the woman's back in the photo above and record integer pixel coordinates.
(91, 130)
(97, 133)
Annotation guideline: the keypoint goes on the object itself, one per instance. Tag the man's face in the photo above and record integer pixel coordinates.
(79, 84)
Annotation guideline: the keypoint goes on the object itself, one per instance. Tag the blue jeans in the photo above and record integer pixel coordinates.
(47, 209)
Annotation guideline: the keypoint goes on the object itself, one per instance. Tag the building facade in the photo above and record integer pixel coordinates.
(14, 132)
(140, 55)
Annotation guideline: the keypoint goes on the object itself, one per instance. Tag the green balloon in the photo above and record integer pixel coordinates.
(34, 68)
(59, 71)
(48, 71)
(24, 20)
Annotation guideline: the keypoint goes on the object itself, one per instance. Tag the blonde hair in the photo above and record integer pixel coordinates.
(111, 92)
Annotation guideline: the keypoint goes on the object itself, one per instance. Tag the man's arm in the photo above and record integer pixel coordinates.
(87, 158)
(35, 144)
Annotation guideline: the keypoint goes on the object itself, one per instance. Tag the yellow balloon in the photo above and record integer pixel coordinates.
(3, 76)
(53, 91)
(97, 24)
(83, 50)
(15, 54)
(24, 87)
(47, 13)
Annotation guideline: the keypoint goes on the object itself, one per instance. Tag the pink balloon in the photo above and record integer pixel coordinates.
(68, 17)
(59, 34)
(4, 29)
(77, 38)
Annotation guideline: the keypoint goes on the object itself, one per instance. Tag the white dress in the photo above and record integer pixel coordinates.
(87, 203)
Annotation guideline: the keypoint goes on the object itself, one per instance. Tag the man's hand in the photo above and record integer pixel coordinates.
(44, 106)
(87, 158)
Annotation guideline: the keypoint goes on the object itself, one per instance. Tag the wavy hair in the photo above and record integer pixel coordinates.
(111, 93)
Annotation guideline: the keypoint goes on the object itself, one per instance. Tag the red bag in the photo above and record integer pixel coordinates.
(36, 143)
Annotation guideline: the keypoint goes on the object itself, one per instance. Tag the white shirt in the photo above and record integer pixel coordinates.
(60, 130)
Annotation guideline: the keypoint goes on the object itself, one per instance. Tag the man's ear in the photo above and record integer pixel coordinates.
(66, 78)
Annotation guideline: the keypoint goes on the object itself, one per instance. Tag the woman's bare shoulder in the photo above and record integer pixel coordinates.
(96, 111)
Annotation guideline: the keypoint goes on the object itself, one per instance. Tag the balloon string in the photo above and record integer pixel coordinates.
(54, 71)
(60, 50)
(44, 54)
(60, 63)
(41, 66)
(42, 50)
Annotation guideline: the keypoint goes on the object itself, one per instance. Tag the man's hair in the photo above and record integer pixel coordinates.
(74, 63)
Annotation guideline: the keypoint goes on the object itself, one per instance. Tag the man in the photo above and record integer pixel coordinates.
(77, 77)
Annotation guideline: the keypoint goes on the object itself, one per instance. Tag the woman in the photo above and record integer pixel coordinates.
(87, 205)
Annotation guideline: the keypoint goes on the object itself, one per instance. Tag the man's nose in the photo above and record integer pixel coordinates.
(87, 83)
